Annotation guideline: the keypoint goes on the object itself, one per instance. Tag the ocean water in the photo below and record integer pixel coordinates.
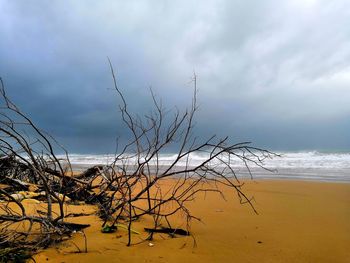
(291, 165)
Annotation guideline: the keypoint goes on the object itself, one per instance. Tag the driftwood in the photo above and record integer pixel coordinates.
(90, 172)
(29, 168)
(167, 230)
(15, 184)
(78, 214)
(136, 179)
(128, 188)
(72, 226)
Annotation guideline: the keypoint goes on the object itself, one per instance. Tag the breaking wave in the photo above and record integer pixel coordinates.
(300, 165)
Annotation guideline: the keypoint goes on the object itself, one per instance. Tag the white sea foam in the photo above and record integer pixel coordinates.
(302, 165)
(287, 160)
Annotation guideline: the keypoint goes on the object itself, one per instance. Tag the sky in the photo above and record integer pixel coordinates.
(276, 73)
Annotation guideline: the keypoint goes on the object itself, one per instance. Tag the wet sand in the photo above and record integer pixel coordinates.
(298, 221)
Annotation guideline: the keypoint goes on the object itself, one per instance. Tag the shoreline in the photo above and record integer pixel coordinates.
(297, 174)
(309, 165)
(298, 221)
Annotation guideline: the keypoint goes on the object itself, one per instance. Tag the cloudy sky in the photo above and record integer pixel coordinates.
(276, 73)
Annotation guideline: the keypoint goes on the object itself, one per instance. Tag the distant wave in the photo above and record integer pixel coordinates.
(312, 159)
(310, 165)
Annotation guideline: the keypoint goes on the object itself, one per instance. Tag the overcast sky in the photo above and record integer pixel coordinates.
(273, 72)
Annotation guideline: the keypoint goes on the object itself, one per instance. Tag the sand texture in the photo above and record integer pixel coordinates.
(297, 222)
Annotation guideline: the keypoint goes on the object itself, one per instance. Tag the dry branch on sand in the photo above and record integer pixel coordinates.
(133, 186)
(29, 168)
(136, 177)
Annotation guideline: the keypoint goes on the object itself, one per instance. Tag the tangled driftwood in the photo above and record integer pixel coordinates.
(134, 185)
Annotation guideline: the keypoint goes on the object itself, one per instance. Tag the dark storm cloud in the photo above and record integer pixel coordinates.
(273, 72)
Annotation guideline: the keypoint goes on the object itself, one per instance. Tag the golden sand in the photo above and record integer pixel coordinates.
(298, 221)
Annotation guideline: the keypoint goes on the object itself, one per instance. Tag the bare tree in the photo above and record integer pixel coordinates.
(137, 176)
(28, 161)
(136, 184)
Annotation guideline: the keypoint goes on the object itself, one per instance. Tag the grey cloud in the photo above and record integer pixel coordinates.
(267, 69)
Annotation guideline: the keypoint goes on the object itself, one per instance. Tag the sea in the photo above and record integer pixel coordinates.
(307, 165)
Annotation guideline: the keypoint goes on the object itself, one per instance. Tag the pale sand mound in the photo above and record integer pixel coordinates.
(298, 222)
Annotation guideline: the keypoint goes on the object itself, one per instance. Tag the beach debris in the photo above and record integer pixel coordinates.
(72, 226)
(167, 230)
(124, 190)
(90, 172)
(41, 196)
(113, 228)
(17, 197)
(78, 214)
(15, 254)
(109, 229)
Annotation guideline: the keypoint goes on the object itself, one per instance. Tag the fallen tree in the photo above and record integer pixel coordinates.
(137, 177)
(29, 168)
(135, 185)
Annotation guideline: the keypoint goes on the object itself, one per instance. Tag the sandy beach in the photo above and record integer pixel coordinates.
(298, 221)
(127, 128)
